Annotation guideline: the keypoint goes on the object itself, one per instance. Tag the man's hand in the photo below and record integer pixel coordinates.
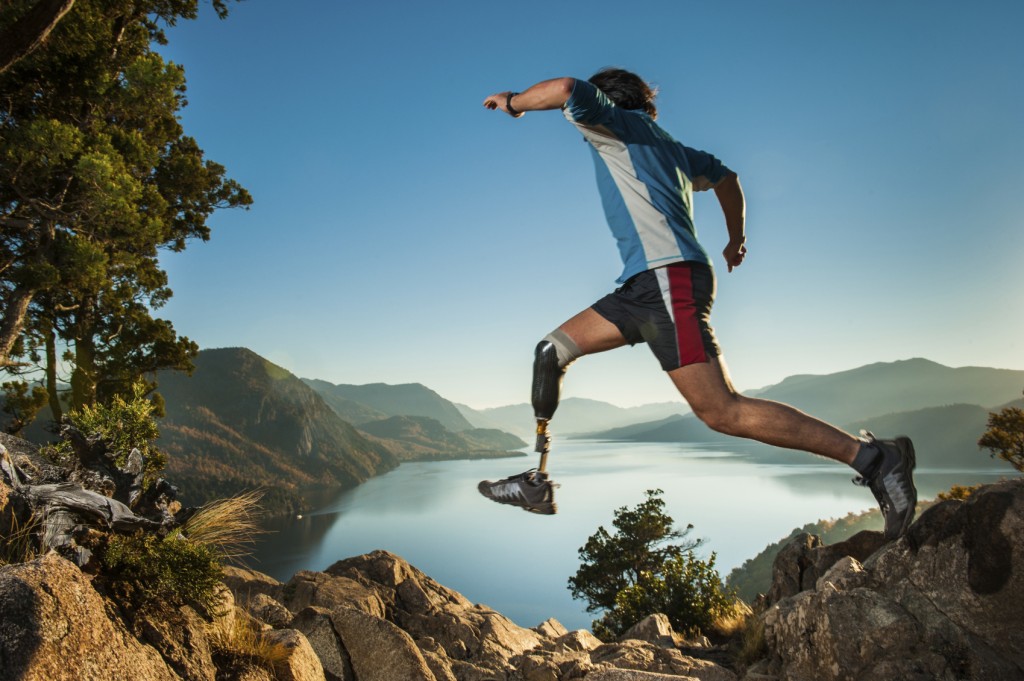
(734, 253)
(500, 101)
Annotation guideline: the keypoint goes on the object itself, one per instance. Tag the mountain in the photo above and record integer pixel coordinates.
(380, 400)
(241, 422)
(574, 415)
(945, 435)
(887, 387)
(424, 438)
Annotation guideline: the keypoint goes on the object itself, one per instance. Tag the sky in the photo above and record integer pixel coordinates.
(401, 233)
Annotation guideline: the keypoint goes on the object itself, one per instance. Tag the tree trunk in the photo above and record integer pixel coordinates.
(29, 32)
(14, 321)
(83, 378)
(51, 375)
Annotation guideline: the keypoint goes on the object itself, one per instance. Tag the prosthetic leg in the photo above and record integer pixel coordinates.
(552, 357)
(532, 490)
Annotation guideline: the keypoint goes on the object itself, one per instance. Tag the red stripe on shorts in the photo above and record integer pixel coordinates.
(684, 313)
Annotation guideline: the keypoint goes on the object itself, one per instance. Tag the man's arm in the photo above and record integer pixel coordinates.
(546, 95)
(734, 207)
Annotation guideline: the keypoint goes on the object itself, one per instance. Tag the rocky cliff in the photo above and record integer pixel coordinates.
(941, 603)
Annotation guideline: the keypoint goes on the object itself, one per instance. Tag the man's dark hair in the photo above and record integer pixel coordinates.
(626, 89)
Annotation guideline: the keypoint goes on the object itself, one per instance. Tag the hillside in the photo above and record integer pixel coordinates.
(574, 415)
(888, 387)
(241, 422)
(945, 436)
(425, 439)
(359, 404)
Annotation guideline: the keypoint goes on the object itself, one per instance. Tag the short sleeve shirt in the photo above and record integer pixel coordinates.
(646, 180)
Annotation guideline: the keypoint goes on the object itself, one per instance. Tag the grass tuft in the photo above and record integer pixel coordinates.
(18, 543)
(239, 637)
(229, 526)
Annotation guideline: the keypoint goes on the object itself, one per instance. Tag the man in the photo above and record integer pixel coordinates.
(646, 180)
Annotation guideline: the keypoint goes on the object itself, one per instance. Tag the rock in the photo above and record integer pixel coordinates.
(654, 629)
(301, 664)
(266, 609)
(379, 650)
(179, 635)
(324, 590)
(551, 628)
(54, 626)
(634, 675)
(316, 625)
(425, 609)
(581, 639)
(245, 584)
(941, 603)
(643, 656)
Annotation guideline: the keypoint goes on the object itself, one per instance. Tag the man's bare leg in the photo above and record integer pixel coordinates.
(710, 393)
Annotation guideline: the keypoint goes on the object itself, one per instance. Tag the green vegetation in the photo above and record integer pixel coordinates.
(1005, 436)
(96, 177)
(144, 566)
(186, 565)
(640, 570)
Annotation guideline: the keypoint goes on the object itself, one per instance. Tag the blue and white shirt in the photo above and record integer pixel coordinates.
(646, 180)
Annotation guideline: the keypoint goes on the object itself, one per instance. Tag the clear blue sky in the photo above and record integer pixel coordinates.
(402, 233)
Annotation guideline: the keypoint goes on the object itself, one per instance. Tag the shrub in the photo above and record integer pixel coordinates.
(1005, 436)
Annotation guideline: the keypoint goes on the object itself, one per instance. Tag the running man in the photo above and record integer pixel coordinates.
(646, 180)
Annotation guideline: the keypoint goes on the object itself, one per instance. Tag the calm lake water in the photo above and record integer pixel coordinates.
(518, 563)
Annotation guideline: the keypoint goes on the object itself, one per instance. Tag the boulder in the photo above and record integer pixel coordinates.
(379, 650)
(245, 584)
(54, 626)
(943, 602)
(316, 625)
(654, 629)
(301, 662)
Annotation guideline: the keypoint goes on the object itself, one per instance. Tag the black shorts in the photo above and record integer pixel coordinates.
(669, 309)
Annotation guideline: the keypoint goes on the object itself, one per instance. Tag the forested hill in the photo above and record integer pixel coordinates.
(360, 404)
(242, 422)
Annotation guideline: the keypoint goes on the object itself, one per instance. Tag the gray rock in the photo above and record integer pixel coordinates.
(379, 650)
(654, 629)
(941, 603)
(55, 627)
(318, 628)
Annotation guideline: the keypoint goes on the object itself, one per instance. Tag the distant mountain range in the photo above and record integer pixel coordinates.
(918, 398)
(575, 415)
(241, 422)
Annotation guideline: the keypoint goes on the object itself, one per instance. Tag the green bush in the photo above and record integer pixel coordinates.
(171, 568)
(124, 425)
(688, 590)
(640, 570)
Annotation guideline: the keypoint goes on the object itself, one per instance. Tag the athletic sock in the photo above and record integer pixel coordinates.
(867, 460)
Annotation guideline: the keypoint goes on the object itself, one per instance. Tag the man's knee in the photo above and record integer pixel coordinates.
(721, 415)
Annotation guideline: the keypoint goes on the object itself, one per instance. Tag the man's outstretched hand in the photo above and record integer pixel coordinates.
(500, 101)
(734, 253)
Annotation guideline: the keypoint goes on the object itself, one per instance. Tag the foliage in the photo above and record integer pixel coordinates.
(22, 402)
(125, 425)
(172, 568)
(96, 177)
(958, 493)
(640, 570)
(1005, 436)
(186, 565)
(641, 544)
(687, 589)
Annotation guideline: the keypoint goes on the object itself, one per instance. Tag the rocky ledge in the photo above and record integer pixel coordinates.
(944, 603)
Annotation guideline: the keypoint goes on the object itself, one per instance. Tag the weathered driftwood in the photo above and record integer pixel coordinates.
(63, 509)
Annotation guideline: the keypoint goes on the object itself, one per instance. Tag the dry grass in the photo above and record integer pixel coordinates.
(18, 544)
(241, 638)
(228, 525)
(729, 623)
(751, 645)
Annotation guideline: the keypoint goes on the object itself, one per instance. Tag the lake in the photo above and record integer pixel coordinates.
(518, 563)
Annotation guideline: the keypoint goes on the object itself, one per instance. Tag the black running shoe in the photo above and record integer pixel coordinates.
(530, 490)
(892, 483)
